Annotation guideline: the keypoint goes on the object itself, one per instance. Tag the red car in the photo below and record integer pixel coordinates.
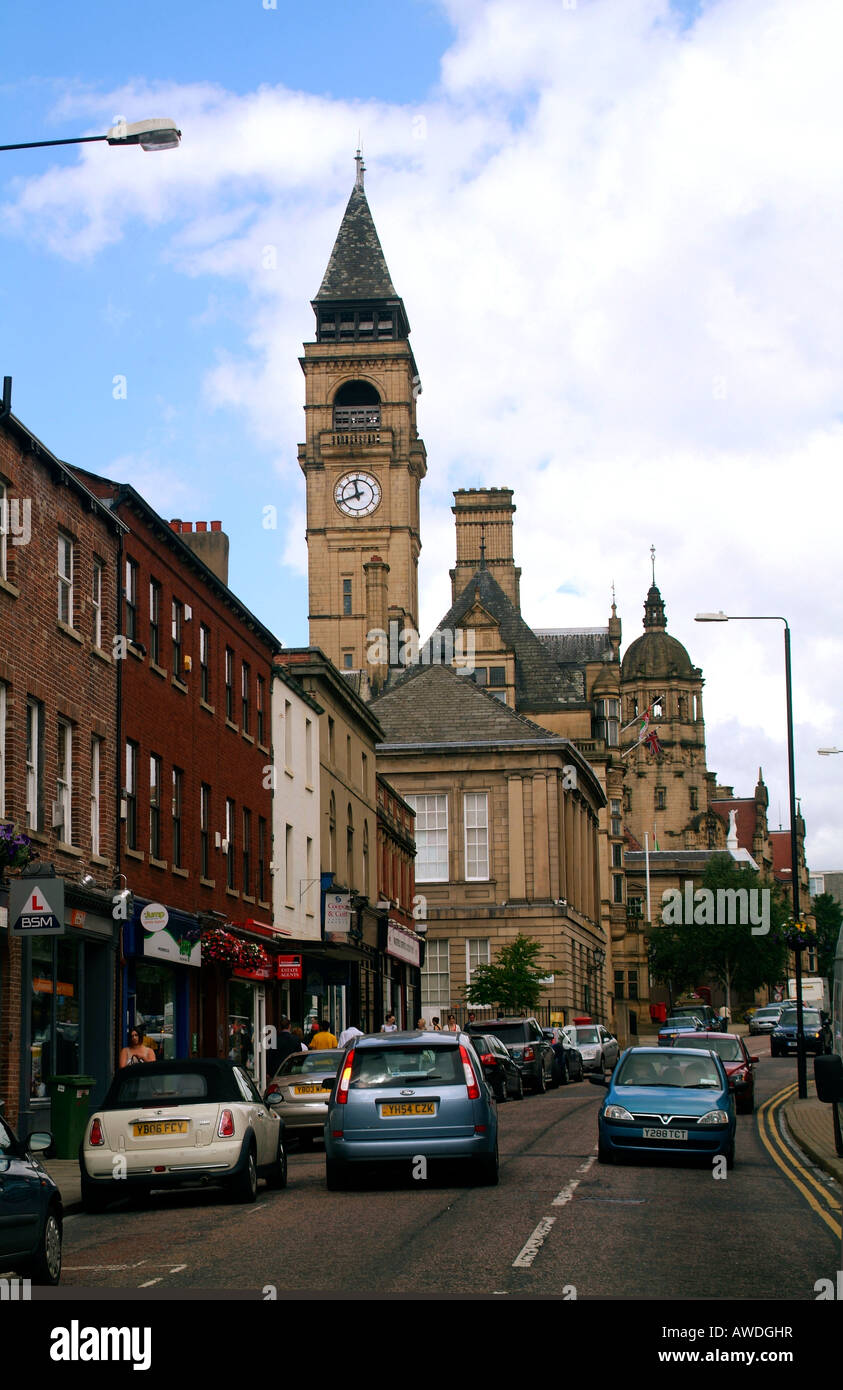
(736, 1061)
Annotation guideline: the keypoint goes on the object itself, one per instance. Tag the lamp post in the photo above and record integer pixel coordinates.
(155, 134)
(801, 1071)
(599, 961)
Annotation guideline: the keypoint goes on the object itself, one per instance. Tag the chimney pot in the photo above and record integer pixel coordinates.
(176, 523)
(216, 525)
(201, 525)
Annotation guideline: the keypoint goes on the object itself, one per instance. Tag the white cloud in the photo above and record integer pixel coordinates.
(617, 242)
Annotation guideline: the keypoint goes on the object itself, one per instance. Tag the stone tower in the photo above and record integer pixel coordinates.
(362, 459)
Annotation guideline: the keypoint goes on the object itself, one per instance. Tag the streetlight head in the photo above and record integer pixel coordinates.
(825, 752)
(712, 618)
(156, 134)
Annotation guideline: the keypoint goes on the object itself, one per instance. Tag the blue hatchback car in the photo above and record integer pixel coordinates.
(405, 1096)
(667, 1100)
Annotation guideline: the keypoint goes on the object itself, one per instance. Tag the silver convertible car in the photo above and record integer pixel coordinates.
(410, 1096)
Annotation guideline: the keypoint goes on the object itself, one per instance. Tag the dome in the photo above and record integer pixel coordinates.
(656, 655)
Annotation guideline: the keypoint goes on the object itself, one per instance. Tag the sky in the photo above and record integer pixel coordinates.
(615, 225)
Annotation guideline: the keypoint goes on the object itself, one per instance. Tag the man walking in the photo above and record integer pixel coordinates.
(324, 1038)
(349, 1034)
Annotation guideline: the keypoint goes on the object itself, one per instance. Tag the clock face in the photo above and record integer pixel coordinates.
(357, 494)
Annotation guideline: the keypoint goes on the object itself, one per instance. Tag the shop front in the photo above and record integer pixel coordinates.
(401, 949)
(246, 988)
(162, 953)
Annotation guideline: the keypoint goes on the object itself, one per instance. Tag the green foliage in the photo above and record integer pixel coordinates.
(686, 953)
(829, 917)
(511, 982)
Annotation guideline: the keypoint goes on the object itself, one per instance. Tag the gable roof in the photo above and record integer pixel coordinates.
(541, 684)
(357, 267)
(578, 644)
(434, 705)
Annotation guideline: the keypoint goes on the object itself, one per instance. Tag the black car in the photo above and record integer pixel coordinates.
(568, 1063)
(815, 1026)
(502, 1074)
(30, 1209)
(527, 1045)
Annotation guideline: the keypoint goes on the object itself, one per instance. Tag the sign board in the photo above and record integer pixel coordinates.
(288, 968)
(164, 939)
(36, 907)
(402, 944)
(337, 914)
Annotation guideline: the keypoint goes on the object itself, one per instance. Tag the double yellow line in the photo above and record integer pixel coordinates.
(823, 1203)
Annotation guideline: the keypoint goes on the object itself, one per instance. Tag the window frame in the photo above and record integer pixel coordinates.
(96, 794)
(130, 599)
(131, 792)
(156, 768)
(472, 850)
(425, 860)
(96, 599)
(155, 621)
(177, 814)
(65, 580)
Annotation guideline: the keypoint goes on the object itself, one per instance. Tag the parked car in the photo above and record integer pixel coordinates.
(567, 1059)
(301, 1088)
(404, 1096)
(670, 1100)
(31, 1212)
(764, 1020)
(598, 1047)
(181, 1122)
(527, 1045)
(673, 1027)
(736, 1060)
(815, 1027)
(501, 1072)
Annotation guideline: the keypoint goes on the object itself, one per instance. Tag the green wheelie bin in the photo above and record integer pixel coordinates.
(69, 1108)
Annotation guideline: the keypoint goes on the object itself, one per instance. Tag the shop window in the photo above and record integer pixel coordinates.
(54, 1012)
(155, 1008)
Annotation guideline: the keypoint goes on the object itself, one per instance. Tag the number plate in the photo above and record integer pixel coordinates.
(311, 1090)
(665, 1134)
(421, 1107)
(141, 1129)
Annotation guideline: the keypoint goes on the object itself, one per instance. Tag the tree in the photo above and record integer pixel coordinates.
(729, 929)
(829, 917)
(511, 982)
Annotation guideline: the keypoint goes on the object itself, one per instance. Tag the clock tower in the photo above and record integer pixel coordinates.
(363, 460)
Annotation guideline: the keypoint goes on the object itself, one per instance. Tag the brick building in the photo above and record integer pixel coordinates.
(59, 581)
(196, 790)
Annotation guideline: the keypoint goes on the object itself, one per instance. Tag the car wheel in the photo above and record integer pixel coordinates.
(541, 1082)
(563, 1075)
(244, 1188)
(604, 1153)
(500, 1090)
(487, 1169)
(45, 1265)
(336, 1175)
(95, 1196)
(278, 1177)
(518, 1094)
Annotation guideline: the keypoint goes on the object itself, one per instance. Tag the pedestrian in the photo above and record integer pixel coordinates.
(299, 1036)
(324, 1038)
(285, 1044)
(421, 1025)
(472, 1018)
(436, 1026)
(349, 1034)
(136, 1051)
(452, 1025)
(389, 1025)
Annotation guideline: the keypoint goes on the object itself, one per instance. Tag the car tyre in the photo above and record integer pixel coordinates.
(541, 1082)
(488, 1169)
(244, 1187)
(336, 1175)
(45, 1265)
(604, 1153)
(562, 1075)
(519, 1090)
(277, 1179)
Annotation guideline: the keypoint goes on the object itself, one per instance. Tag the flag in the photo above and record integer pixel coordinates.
(655, 838)
(652, 742)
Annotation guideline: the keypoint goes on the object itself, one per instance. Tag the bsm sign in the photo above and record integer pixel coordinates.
(36, 907)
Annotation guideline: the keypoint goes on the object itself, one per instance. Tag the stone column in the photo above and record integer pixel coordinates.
(541, 847)
(517, 866)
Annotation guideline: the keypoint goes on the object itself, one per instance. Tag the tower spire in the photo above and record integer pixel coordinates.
(653, 562)
(361, 168)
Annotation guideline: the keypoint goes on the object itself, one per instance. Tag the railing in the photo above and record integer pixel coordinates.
(357, 439)
(356, 417)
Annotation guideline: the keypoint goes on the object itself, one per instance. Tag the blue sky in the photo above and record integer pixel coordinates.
(613, 228)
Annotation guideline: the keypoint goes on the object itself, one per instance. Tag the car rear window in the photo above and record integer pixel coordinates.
(410, 1066)
(140, 1086)
(727, 1049)
(511, 1032)
(306, 1063)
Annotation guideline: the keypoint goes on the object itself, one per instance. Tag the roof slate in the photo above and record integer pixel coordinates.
(541, 684)
(432, 704)
(575, 643)
(357, 268)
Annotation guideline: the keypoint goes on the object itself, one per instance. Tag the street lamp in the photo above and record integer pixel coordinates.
(599, 961)
(825, 752)
(801, 1072)
(156, 134)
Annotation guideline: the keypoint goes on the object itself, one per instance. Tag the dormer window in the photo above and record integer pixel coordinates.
(606, 721)
(357, 406)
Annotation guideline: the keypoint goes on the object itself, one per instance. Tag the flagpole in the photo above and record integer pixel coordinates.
(647, 870)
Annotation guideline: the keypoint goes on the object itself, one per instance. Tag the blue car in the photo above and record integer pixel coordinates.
(815, 1028)
(667, 1100)
(30, 1209)
(400, 1097)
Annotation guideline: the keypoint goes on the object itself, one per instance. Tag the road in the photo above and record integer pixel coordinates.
(559, 1224)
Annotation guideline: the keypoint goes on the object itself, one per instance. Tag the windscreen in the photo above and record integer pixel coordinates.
(685, 1073)
(407, 1066)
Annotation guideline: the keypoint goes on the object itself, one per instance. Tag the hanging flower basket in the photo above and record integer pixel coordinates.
(221, 946)
(253, 956)
(15, 849)
(796, 936)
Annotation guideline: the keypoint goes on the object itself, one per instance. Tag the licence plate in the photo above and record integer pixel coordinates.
(665, 1134)
(141, 1129)
(311, 1090)
(420, 1107)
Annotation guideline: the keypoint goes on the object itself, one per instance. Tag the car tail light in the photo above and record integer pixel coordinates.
(225, 1129)
(96, 1138)
(345, 1078)
(470, 1078)
(488, 1059)
(529, 1054)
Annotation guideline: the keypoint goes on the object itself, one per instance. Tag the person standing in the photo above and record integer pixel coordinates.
(324, 1038)
(389, 1025)
(452, 1025)
(349, 1034)
(136, 1051)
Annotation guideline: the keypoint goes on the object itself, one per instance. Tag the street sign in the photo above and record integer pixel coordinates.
(36, 907)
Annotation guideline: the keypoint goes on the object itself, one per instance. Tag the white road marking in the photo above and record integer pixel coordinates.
(177, 1269)
(526, 1256)
(588, 1164)
(149, 1283)
(562, 1198)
